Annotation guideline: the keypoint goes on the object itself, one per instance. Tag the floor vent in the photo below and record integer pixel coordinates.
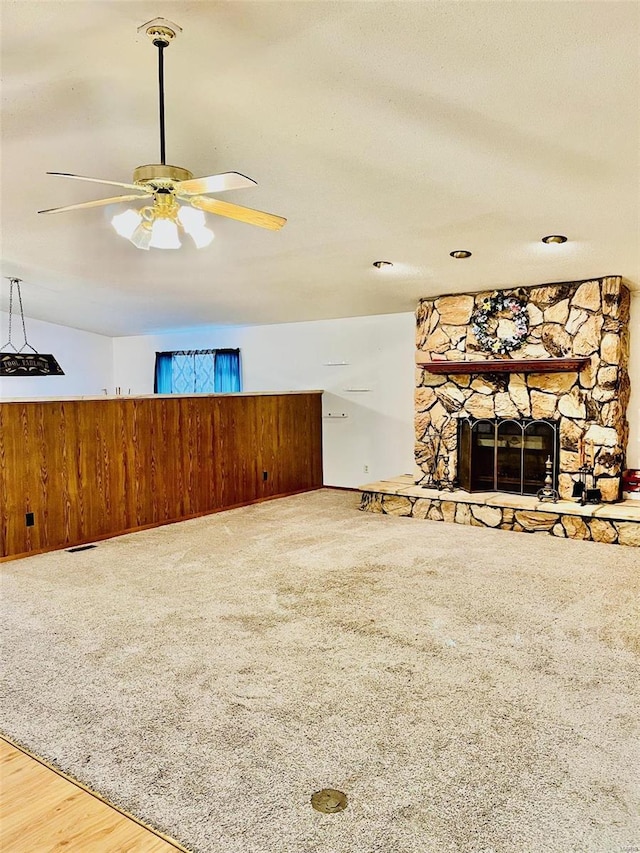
(80, 548)
(329, 801)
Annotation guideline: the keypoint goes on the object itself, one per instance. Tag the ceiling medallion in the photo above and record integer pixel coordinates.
(329, 801)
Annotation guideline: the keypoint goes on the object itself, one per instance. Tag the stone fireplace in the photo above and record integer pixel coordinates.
(492, 364)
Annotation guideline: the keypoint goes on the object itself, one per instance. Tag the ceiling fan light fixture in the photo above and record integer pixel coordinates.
(164, 234)
(126, 223)
(158, 224)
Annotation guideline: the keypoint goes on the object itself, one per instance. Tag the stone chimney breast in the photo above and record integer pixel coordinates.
(588, 319)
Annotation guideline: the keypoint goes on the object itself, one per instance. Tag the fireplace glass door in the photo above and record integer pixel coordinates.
(509, 468)
(506, 455)
(483, 457)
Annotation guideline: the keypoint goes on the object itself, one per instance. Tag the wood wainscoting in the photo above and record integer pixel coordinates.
(90, 469)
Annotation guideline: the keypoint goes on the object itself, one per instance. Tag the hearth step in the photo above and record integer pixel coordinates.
(612, 523)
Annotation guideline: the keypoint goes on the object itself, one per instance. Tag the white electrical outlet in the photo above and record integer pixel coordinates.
(365, 468)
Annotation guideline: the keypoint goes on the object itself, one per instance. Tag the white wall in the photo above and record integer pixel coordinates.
(86, 358)
(379, 351)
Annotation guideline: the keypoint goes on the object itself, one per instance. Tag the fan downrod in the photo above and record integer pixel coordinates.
(161, 32)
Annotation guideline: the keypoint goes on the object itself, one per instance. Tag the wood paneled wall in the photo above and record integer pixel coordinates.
(89, 469)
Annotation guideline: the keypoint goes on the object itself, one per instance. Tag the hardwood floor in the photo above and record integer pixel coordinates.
(43, 812)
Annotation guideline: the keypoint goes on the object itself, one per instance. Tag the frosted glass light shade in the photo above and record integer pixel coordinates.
(191, 219)
(201, 236)
(141, 237)
(126, 223)
(164, 235)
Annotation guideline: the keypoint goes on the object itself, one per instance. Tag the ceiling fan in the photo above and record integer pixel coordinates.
(179, 199)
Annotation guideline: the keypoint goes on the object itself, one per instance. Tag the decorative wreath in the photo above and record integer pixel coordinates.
(484, 322)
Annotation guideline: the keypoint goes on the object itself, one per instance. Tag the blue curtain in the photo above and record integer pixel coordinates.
(227, 376)
(162, 382)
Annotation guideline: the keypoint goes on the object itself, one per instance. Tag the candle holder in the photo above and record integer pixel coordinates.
(446, 483)
(547, 492)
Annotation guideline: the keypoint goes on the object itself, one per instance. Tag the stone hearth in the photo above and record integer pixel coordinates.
(614, 523)
(571, 320)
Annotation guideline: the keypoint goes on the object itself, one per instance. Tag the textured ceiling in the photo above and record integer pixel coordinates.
(395, 130)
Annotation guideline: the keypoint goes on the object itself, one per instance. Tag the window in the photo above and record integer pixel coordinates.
(205, 371)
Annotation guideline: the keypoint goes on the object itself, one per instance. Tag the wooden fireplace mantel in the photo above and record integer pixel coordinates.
(502, 365)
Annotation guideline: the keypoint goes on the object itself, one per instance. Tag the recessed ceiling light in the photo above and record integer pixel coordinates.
(554, 238)
(460, 253)
(380, 264)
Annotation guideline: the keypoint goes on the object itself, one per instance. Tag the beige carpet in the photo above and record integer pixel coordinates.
(470, 690)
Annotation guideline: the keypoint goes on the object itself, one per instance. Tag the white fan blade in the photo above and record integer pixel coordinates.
(97, 181)
(98, 203)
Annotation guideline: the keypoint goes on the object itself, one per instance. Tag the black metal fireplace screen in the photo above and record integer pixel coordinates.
(506, 455)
